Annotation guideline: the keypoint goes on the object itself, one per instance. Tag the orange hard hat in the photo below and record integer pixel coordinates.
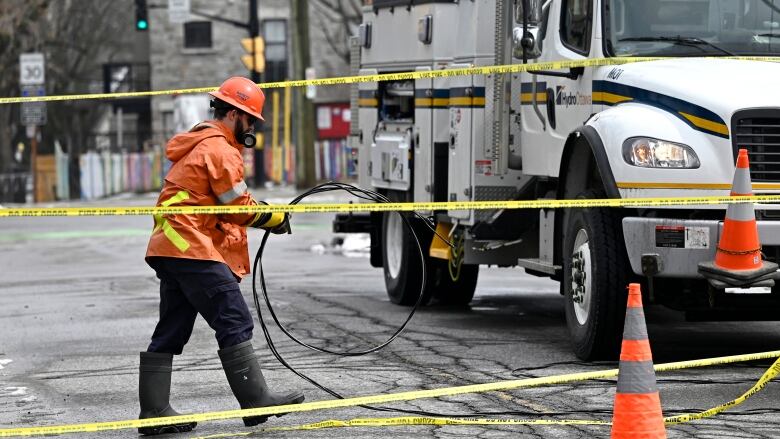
(243, 94)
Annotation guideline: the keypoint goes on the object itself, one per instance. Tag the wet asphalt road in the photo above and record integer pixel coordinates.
(77, 303)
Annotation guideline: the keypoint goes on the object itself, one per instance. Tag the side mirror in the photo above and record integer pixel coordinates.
(529, 43)
(534, 12)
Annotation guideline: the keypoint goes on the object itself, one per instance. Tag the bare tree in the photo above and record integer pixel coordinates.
(80, 36)
(76, 37)
(18, 33)
(338, 20)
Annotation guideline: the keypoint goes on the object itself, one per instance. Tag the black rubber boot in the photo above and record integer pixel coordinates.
(247, 382)
(154, 390)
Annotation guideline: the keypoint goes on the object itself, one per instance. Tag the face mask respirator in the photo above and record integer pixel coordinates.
(247, 139)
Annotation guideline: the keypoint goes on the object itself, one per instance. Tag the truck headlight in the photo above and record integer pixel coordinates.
(647, 152)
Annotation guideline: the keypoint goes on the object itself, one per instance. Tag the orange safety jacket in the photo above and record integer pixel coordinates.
(207, 170)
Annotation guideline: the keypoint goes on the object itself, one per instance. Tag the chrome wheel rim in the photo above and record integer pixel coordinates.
(394, 244)
(581, 275)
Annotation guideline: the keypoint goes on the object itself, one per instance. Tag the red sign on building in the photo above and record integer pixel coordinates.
(333, 121)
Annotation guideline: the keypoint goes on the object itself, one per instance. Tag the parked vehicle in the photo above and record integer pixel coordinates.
(664, 128)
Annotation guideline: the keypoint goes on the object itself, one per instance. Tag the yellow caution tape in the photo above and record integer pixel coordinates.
(760, 384)
(484, 70)
(372, 400)
(386, 207)
(772, 372)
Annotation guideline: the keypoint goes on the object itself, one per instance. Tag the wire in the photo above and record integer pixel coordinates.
(367, 195)
(772, 5)
(258, 271)
(379, 198)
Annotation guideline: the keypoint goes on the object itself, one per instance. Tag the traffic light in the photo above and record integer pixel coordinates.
(257, 62)
(141, 15)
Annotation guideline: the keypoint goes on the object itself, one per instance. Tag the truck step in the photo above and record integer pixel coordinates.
(539, 265)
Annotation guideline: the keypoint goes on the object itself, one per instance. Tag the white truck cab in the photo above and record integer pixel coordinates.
(664, 128)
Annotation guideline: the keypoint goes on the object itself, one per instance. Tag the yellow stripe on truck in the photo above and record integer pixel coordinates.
(529, 97)
(611, 98)
(708, 125)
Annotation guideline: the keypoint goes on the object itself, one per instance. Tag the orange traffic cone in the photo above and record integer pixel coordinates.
(738, 260)
(637, 413)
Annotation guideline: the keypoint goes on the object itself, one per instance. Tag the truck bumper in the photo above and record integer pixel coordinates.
(679, 245)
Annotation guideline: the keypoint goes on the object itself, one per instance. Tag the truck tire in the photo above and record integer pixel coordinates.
(595, 278)
(454, 292)
(401, 261)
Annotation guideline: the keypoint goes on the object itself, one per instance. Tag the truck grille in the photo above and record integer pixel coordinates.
(758, 131)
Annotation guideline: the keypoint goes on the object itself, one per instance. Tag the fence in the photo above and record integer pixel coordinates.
(334, 160)
(104, 174)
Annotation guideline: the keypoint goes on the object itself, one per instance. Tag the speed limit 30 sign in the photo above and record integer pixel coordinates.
(31, 69)
(32, 78)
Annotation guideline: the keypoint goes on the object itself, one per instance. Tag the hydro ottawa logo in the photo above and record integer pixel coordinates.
(566, 98)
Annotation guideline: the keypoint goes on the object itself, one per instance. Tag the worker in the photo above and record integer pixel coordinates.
(200, 259)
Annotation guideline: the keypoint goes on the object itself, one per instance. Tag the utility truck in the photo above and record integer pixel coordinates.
(661, 128)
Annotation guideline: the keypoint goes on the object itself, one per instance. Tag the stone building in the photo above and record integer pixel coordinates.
(203, 51)
(200, 52)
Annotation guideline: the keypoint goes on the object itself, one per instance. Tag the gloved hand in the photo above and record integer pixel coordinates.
(284, 227)
(278, 223)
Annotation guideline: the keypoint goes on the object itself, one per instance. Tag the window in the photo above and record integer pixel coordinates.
(649, 27)
(543, 26)
(275, 35)
(197, 35)
(576, 20)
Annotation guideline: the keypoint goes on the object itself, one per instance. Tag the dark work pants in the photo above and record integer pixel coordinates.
(189, 287)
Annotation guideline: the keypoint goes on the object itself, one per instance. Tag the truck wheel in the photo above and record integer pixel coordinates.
(595, 278)
(454, 282)
(455, 285)
(401, 260)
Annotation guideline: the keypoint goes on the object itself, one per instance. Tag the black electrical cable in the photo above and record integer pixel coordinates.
(379, 198)
(360, 193)
(258, 270)
(772, 5)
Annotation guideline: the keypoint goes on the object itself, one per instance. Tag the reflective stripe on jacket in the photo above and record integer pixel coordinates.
(207, 170)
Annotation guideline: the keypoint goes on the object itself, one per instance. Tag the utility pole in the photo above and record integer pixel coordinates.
(34, 159)
(304, 150)
(259, 151)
